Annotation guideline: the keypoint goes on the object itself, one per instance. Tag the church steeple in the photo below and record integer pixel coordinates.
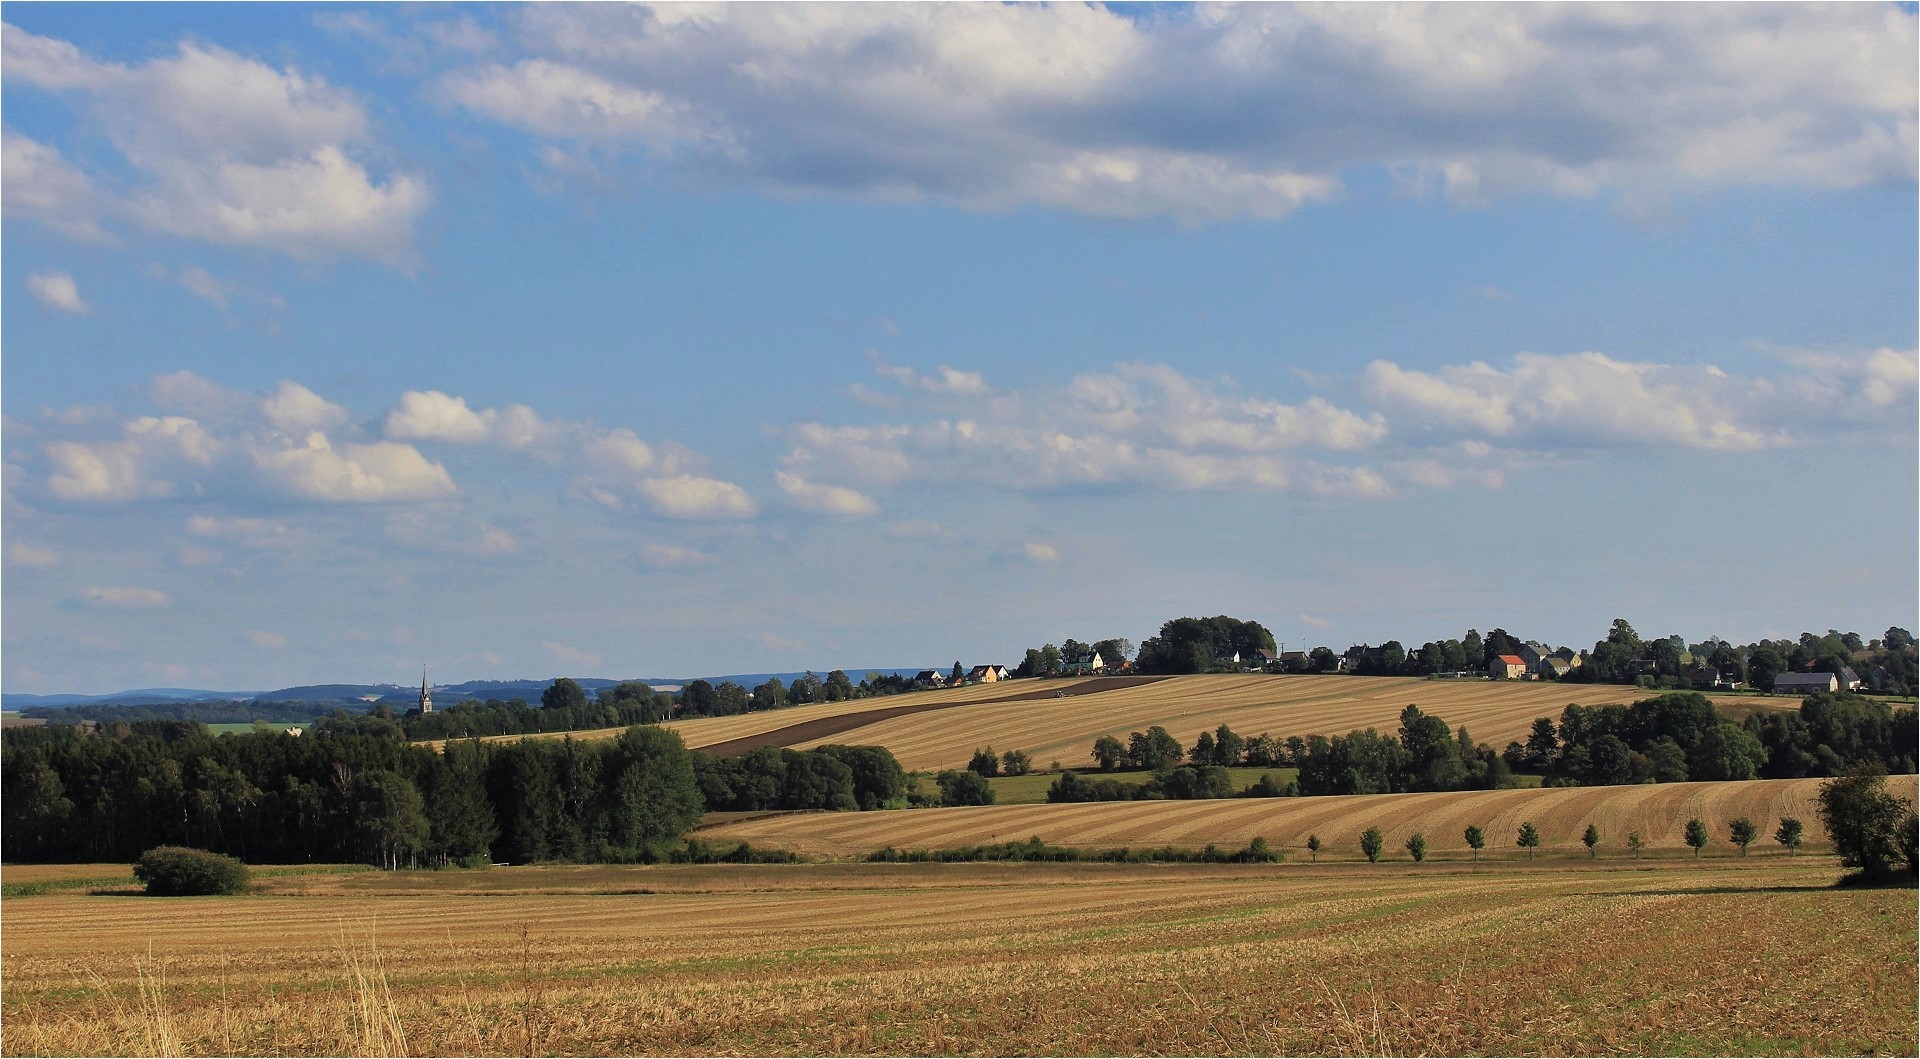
(426, 700)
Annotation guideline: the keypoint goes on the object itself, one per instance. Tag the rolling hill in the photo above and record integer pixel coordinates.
(1658, 811)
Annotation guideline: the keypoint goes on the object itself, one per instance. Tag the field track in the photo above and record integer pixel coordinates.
(1658, 811)
(926, 735)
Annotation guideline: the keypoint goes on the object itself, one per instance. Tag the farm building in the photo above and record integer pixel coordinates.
(1507, 667)
(1554, 667)
(1805, 683)
(1084, 665)
(986, 674)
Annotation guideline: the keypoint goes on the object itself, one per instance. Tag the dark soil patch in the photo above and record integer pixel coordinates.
(827, 726)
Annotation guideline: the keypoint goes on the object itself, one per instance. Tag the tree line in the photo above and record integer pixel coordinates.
(341, 793)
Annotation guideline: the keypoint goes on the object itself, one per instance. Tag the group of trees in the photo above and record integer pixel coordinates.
(1190, 645)
(353, 792)
(1050, 661)
(1680, 736)
(828, 777)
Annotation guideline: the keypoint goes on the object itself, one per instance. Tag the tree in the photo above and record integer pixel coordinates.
(1155, 749)
(389, 816)
(1696, 836)
(1228, 746)
(1371, 843)
(1476, 840)
(654, 797)
(1015, 763)
(1529, 839)
(563, 694)
(1117, 651)
(1592, 840)
(1741, 832)
(959, 674)
(1635, 843)
(964, 788)
(1109, 752)
(1417, 846)
(698, 698)
(1322, 660)
(770, 696)
(838, 686)
(1313, 847)
(1202, 749)
(1789, 834)
(1864, 821)
(984, 763)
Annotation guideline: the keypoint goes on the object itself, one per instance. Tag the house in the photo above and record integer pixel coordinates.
(1294, 660)
(1507, 667)
(929, 678)
(1705, 678)
(1574, 659)
(1554, 667)
(1263, 659)
(986, 674)
(1228, 657)
(1805, 683)
(1849, 680)
(1533, 652)
(1085, 665)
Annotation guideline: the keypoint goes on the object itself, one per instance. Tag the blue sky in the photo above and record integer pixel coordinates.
(619, 341)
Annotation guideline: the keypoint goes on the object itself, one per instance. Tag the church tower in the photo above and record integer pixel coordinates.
(426, 700)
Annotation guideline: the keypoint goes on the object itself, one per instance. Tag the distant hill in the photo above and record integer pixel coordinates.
(361, 696)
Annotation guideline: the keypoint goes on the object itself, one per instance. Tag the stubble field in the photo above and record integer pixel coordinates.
(1760, 957)
(1658, 811)
(1024, 715)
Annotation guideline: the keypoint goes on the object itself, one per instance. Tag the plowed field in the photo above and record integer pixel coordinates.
(1658, 811)
(1755, 957)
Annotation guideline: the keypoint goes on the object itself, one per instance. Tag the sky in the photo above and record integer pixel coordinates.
(616, 341)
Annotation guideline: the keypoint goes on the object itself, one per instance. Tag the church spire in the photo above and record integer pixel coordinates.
(426, 700)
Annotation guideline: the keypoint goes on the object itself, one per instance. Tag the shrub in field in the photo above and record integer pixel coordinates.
(964, 788)
(1476, 840)
(1592, 839)
(177, 871)
(1696, 836)
(1871, 829)
(1015, 763)
(1789, 834)
(1529, 839)
(984, 763)
(1313, 847)
(1371, 843)
(1636, 843)
(1417, 847)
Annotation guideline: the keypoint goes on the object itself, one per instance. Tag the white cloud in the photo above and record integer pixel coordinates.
(573, 656)
(266, 641)
(434, 416)
(20, 553)
(56, 290)
(133, 466)
(826, 499)
(354, 473)
(201, 398)
(294, 408)
(1220, 111)
(256, 533)
(687, 496)
(1040, 553)
(121, 598)
(223, 148)
(1132, 425)
(669, 556)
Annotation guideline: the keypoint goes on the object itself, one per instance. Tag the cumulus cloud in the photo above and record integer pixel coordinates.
(355, 473)
(293, 408)
(220, 148)
(826, 499)
(56, 290)
(123, 598)
(1134, 425)
(687, 496)
(1218, 111)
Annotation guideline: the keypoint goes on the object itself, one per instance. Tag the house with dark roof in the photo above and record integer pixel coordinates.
(1805, 683)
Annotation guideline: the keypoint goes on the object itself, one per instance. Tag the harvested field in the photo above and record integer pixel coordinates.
(1027, 715)
(1658, 811)
(1755, 957)
(1065, 729)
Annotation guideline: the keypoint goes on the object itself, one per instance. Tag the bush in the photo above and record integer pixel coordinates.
(1866, 824)
(177, 871)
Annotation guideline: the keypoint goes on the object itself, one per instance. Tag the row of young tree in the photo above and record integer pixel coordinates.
(1680, 736)
(338, 794)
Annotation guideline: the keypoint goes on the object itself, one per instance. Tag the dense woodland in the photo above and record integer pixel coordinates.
(359, 793)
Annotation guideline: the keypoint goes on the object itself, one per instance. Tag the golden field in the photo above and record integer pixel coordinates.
(1658, 811)
(1064, 728)
(1724, 957)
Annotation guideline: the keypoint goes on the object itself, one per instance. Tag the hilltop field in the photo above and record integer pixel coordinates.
(1058, 720)
(1759, 956)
